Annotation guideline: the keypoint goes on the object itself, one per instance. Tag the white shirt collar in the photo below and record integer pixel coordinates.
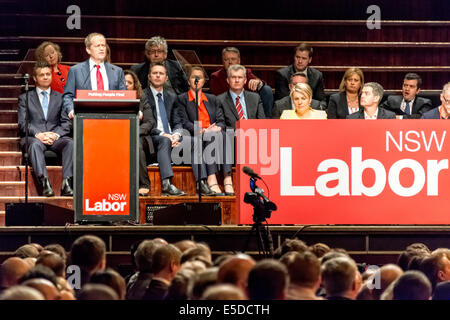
(39, 91)
(155, 92)
(92, 64)
(374, 117)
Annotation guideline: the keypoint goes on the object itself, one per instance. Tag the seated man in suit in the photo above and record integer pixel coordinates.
(371, 95)
(218, 83)
(92, 74)
(408, 105)
(443, 111)
(286, 102)
(48, 129)
(302, 60)
(238, 103)
(166, 133)
(156, 52)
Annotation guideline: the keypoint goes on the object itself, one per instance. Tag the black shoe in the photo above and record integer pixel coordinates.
(168, 189)
(229, 194)
(66, 187)
(219, 194)
(47, 190)
(205, 190)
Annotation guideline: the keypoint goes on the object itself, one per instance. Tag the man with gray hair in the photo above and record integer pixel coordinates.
(341, 279)
(371, 96)
(156, 52)
(443, 111)
(238, 103)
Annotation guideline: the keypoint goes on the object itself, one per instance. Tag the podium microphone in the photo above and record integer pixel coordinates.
(249, 171)
(196, 80)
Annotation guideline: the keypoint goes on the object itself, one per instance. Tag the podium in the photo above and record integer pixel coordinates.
(106, 132)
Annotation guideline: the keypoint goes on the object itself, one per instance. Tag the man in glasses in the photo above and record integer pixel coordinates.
(443, 111)
(156, 52)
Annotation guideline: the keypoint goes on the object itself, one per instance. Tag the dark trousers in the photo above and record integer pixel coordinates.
(144, 180)
(163, 147)
(63, 146)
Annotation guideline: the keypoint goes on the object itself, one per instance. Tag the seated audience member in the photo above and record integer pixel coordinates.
(165, 265)
(412, 285)
(88, 252)
(304, 275)
(347, 101)
(95, 291)
(319, 249)
(302, 60)
(156, 52)
(21, 293)
(112, 279)
(181, 285)
(224, 292)
(166, 131)
(408, 105)
(218, 83)
(268, 280)
(51, 53)
(49, 129)
(437, 266)
(11, 271)
(44, 286)
(58, 249)
(286, 102)
(341, 279)
(211, 126)
(235, 270)
(411, 251)
(202, 281)
(184, 245)
(371, 96)
(201, 252)
(26, 251)
(382, 278)
(443, 111)
(146, 124)
(92, 74)
(238, 103)
(301, 96)
(442, 291)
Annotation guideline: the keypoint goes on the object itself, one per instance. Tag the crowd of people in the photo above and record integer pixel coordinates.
(170, 108)
(187, 270)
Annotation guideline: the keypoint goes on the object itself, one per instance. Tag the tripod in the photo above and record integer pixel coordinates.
(263, 236)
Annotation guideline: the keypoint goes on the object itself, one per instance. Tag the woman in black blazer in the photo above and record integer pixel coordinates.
(212, 124)
(347, 100)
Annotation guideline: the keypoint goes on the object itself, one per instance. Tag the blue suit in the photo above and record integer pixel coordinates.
(432, 114)
(79, 79)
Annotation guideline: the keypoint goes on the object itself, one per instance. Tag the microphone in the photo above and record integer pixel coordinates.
(19, 76)
(88, 76)
(196, 80)
(249, 171)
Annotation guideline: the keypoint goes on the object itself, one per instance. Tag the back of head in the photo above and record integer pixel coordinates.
(387, 275)
(184, 245)
(202, 281)
(40, 272)
(268, 280)
(235, 270)
(21, 293)
(52, 261)
(95, 291)
(338, 276)
(331, 255)
(26, 251)
(88, 252)
(58, 249)
(112, 279)
(412, 285)
(303, 268)
(181, 285)
(164, 256)
(144, 255)
(432, 265)
(200, 252)
(224, 292)
(319, 249)
(293, 245)
(11, 270)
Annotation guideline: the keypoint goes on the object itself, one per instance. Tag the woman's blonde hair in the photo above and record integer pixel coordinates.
(39, 53)
(303, 88)
(348, 73)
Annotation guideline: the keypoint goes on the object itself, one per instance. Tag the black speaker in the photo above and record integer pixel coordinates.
(37, 214)
(189, 213)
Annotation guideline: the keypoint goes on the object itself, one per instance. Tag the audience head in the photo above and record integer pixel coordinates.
(371, 94)
(96, 47)
(52, 261)
(268, 280)
(319, 249)
(157, 75)
(237, 77)
(181, 285)
(45, 287)
(293, 245)
(89, 253)
(302, 57)
(412, 285)
(235, 270)
(200, 253)
(27, 250)
(42, 76)
(21, 293)
(341, 278)
(144, 255)
(303, 269)
(224, 292)
(230, 56)
(437, 266)
(49, 52)
(132, 82)
(156, 49)
(445, 97)
(352, 81)
(184, 245)
(112, 279)
(297, 77)
(387, 274)
(166, 261)
(406, 256)
(301, 96)
(411, 86)
(199, 73)
(331, 255)
(11, 270)
(95, 291)
(202, 281)
(58, 249)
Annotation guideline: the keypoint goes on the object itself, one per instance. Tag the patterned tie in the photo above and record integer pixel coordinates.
(45, 103)
(162, 113)
(99, 79)
(407, 108)
(239, 108)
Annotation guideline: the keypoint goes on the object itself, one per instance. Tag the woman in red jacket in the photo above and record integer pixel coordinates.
(51, 53)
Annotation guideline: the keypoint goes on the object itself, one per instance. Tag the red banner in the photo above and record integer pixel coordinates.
(347, 171)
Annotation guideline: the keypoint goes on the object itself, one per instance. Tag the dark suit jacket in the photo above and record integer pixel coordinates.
(338, 107)
(57, 121)
(188, 111)
(147, 123)
(286, 104)
(420, 106)
(157, 290)
(79, 79)
(432, 114)
(382, 114)
(218, 83)
(176, 75)
(253, 105)
(173, 115)
(283, 77)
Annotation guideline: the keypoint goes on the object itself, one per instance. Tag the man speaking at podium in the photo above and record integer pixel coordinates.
(92, 74)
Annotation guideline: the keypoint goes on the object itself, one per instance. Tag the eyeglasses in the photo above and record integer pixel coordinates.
(447, 102)
(156, 51)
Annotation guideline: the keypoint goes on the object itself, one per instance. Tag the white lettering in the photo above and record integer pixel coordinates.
(342, 175)
(433, 169)
(394, 177)
(286, 187)
(358, 167)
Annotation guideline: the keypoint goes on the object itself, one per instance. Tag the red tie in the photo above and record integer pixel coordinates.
(239, 108)
(99, 79)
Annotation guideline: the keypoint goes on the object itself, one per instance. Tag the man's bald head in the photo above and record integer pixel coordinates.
(11, 270)
(235, 270)
(21, 293)
(388, 274)
(44, 286)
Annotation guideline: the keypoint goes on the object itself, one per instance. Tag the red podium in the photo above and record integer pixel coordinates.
(106, 131)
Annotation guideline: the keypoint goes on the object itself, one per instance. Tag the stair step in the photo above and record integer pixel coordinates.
(10, 91)
(8, 116)
(8, 103)
(11, 188)
(9, 66)
(10, 158)
(10, 79)
(9, 129)
(9, 143)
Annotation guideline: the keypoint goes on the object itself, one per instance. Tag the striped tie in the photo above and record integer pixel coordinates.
(239, 108)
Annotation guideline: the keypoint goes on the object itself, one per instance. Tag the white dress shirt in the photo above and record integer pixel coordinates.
(93, 68)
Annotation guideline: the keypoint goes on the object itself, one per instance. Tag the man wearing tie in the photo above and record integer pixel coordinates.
(167, 132)
(92, 74)
(48, 129)
(238, 103)
(408, 105)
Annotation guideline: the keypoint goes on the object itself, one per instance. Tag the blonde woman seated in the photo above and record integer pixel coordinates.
(301, 96)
